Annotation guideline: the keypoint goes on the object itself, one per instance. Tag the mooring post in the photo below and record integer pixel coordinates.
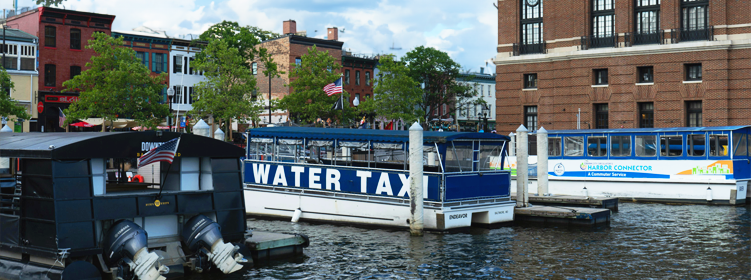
(522, 168)
(542, 162)
(416, 223)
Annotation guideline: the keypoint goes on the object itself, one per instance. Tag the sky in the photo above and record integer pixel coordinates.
(466, 30)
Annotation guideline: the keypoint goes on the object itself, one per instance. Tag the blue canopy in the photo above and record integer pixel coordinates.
(397, 136)
(648, 130)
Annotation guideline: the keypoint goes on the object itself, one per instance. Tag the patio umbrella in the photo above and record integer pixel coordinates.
(82, 124)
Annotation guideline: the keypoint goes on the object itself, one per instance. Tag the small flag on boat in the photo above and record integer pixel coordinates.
(333, 88)
(61, 118)
(165, 152)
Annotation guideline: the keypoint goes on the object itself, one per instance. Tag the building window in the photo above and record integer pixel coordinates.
(601, 76)
(159, 63)
(75, 39)
(647, 22)
(532, 28)
(357, 78)
(530, 81)
(646, 115)
(646, 74)
(28, 64)
(530, 117)
(367, 78)
(177, 64)
(178, 94)
(50, 36)
(693, 113)
(694, 19)
(298, 61)
(603, 23)
(601, 116)
(190, 64)
(75, 71)
(693, 72)
(50, 71)
(255, 68)
(346, 77)
(144, 57)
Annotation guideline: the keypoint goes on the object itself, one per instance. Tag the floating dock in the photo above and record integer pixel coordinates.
(562, 215)
(610, 203)
(268, 246)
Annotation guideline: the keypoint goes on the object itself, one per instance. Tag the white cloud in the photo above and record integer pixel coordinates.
(466, 30)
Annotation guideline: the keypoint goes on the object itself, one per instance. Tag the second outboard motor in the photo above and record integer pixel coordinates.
(128, 242)
(202, 235)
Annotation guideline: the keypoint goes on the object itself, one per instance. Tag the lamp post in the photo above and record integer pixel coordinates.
(483, 118)
(170, 94)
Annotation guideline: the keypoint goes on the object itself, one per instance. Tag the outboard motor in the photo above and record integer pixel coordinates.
(202, 236)
(127, 242)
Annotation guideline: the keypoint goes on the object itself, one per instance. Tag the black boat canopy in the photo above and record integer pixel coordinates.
(81, 145)
(397, 136)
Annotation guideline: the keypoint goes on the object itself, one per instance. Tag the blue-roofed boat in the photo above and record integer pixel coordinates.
(678, 164)
(360, 176)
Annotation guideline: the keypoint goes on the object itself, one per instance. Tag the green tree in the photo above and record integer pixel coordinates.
(243, 38)
(9, 107)
(115, 85)
(467, 99)
(396, 94)
(308, 101)
(226, 93)
(48, 3)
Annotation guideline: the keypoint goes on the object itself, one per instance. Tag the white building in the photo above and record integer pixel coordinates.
(183, 77)
(469, 113)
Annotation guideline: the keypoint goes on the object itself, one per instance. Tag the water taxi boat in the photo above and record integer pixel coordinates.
(360, 176)
(681, 164)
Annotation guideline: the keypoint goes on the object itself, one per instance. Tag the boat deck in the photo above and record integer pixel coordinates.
(573, 200)
(563, 215)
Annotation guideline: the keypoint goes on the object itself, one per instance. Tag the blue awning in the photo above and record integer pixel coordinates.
(648, 130)
(396, 136)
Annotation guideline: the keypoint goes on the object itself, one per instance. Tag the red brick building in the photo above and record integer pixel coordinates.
(623, 63)
(152, 49)
(63, 35)
(358, 73)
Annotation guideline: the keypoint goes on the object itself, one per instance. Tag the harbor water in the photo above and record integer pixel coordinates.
(643, 241)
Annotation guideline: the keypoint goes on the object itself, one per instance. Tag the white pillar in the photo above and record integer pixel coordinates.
(512, 146)
(219, 134)
(201, 128)
(416, 223)
(542, 162)
(521, 166)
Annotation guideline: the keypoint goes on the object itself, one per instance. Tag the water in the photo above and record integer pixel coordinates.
(644, 241)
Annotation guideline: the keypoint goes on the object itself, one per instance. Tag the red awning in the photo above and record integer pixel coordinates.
(82, 124)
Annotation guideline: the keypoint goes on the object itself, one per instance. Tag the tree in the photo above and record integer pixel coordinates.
(242, 38)
(225, 94)
(396, 94)
(308, 101)
(467, 99)
(9, 107)
(115, 85)
(48, 3)
(437, 73)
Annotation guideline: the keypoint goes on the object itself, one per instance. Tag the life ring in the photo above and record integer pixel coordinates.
(139, 178)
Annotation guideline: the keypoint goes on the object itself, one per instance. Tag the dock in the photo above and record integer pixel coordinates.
(265, 246)
(578, 216)
(610, 203)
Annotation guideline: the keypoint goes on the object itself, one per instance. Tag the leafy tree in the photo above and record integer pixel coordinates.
(308, 101)
(48, 3)
(242, 38)
(9, 107)
(396, 94)
(226, 93)
(467, 99)
(115, 85)
(437, 73)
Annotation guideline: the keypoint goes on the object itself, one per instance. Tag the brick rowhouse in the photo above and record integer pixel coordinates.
(623, 63)
(63, 35)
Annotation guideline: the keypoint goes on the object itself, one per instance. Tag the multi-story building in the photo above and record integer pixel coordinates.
(183, 77)
(287, 51)
(20, 61)
(623, 63)
(471, 115)
(62, 55)
(359, 73)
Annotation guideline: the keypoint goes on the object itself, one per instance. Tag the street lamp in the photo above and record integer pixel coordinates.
(170, 94)
(483, 117)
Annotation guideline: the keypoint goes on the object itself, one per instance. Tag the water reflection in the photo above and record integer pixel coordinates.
(642, 241)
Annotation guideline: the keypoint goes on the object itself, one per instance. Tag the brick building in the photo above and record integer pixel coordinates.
(623, 63)
(287, 51)
(359, 72)
(63, 35)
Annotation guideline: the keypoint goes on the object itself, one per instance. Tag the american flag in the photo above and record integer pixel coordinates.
(61, 118)
(333, 88)
(165, 152)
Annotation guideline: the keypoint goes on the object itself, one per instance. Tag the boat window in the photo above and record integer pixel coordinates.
(459, 158)
(430, 157)
(718, 145)
(554, 146)
(4, 166)
(260, 151)
(490, 156)
(597, 146)
(696, 145)
(671, 146)
(739, 144)
(620, 146)
(646, 145)
(388, 155)
(574, 146)
(289, 150)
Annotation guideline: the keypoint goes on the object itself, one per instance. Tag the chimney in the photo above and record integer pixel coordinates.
(290, 27)
(334, 34)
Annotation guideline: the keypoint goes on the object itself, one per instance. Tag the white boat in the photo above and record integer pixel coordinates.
(682, 165)
(360, 176)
